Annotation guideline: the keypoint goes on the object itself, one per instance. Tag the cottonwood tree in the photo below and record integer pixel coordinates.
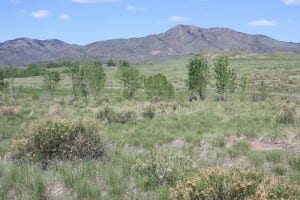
(225, 77)
(2, 84)
(198, 76)
(51, 80)
(157, 86)
(131, 80)
(95, 78)
(79, 87)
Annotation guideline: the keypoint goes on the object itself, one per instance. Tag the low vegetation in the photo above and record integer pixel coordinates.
(130, 132)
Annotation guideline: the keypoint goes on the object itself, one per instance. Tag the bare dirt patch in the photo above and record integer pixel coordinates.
(290, 142)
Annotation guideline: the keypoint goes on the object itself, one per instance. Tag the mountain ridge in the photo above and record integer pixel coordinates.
(178, 41)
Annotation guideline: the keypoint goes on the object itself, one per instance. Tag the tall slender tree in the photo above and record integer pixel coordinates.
(198, 76)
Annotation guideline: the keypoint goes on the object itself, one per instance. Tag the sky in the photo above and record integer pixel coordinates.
(86, 21)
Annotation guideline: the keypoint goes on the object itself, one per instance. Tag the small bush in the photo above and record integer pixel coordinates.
(239, 149)
(35, 96)
(9, 112)
(274, 156)
(149, 112)
(109, 115)
(294, 162)
(106, 114)
(287, 115)
(50, 140)
(159, 168)
(234, 184)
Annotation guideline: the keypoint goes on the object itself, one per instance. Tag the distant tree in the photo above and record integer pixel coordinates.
(3, 84)
(51, 80)
(77, 76)
(95, 78)
(131, 79)
(225, 77)
(157, 86)
(111, 63)
(33, 70)
(124, 63)
(198, 76)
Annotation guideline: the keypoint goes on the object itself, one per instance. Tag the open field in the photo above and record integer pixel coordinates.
(150, 146)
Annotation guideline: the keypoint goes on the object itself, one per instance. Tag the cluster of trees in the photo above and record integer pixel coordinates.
(199, 77)
(89, 79)
(31, 70)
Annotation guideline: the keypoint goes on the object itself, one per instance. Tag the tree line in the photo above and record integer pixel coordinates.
(88, 79)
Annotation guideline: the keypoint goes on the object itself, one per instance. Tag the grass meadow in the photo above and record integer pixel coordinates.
(153, 149)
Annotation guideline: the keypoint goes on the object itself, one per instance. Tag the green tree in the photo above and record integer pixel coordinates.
(3, 83)
(51, 80)
(124, 63)
(94, 77)
(77, 76)
(225, 77)
(111, 63)
(198, 76)
(157, 86)
(131, 79)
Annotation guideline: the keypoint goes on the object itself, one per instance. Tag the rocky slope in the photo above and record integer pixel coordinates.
(178, 41)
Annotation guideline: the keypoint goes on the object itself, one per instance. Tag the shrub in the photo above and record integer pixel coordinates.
(160, 168)
(50, 140)
(149, 112)
(287, 115)
(109, 115)
(157, 86)
(238, 149)
(274, 156)
(294, 162)
(234, 184)
(51, 80)
(262, 95)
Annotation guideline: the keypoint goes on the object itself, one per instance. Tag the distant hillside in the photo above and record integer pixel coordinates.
(178, 41)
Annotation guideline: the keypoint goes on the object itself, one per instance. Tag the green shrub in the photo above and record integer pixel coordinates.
(157, 86)
(109, 115)
(294, 162)
(149, 112)
(234, 184)
(274, 156)
(47, 141)
(239, 149)
(160, 168)
(287, 115)
(106, 114)
(262, 94)
(51, 80)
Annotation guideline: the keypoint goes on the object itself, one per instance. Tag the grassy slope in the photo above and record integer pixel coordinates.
(182, 135)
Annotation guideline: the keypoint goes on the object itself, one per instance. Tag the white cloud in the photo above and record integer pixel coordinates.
(291, 2)
(40, 14)
(178, 19)
(64, 17)
(133, 8)
(263, 22)
(95, 1)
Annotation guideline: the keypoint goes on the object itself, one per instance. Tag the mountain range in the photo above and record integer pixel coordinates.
(178, 41)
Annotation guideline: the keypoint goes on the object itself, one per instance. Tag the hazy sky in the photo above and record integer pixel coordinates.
(86, 21)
